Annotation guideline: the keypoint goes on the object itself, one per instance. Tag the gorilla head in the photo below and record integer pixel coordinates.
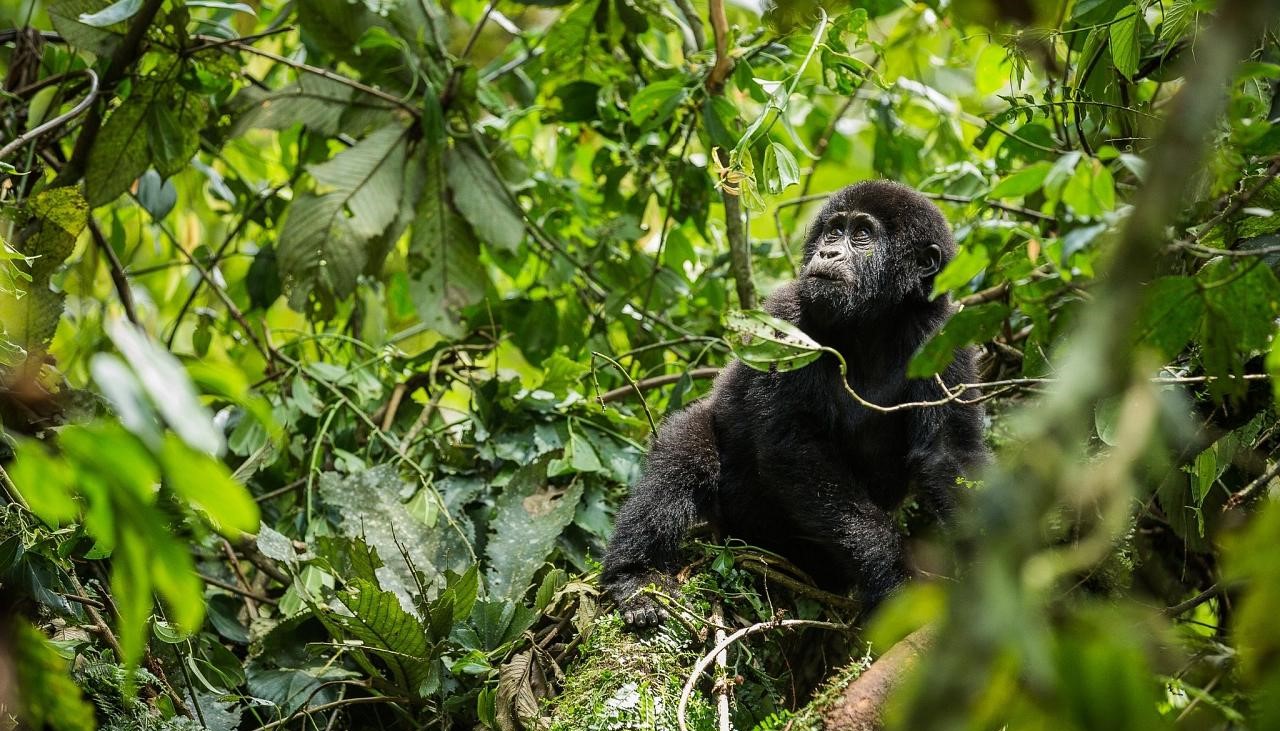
(873, 250)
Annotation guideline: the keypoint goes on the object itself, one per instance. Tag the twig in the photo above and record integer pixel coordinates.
(57, 121)
(323, 73)
(722, 665)
(1193, 602)
(653, 426)
(645, 384)
(249, 597)
(228, 586)
(286, 489)
(116, 268)
(724, 62)
(724, 644)
(1247, 493)
(762, 569)
(333, 704)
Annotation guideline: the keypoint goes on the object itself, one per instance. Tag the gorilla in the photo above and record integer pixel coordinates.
(789, 461)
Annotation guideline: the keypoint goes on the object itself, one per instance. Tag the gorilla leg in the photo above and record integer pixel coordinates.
(865, 547)
(676, 490)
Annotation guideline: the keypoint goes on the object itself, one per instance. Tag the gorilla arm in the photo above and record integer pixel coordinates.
(676, 490)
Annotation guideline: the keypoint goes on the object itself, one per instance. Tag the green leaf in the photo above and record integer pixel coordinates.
(961, 270)
(369, 175)
(1126, 46)
(1170, 315)
(446, 273)
(370, 509)
(765, 343)
(205, 483)
(47, 695)
(64, 15)
(657, 101)
(530, 514)
(969, 325)
(780, 168)
(314, 102)
(319, 255)
(1022, 183)
(120, 153)
(482, 198)
(116, 12)
(173, 128)
(386, 631)
(171, 392)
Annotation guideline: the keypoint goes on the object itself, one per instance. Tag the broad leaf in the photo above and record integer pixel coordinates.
(766, 343)
(530, 516)
(482, 198)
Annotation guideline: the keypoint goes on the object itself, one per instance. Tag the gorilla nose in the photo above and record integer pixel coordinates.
(831, 253)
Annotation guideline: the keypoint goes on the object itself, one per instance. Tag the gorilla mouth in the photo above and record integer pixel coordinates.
(830, 273)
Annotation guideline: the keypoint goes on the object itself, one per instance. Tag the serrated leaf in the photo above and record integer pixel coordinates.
(765, 343)
(370, 508)
(1125, 44)
(970, 325)
(482, 198)
(319, 256)
(445, 270)
(369, 175)
(530, 514)
(387, 632)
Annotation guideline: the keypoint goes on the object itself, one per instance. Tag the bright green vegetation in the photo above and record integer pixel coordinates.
(333, 332)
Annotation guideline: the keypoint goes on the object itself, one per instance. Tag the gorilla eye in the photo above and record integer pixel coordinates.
(836, 228)
(861, 233)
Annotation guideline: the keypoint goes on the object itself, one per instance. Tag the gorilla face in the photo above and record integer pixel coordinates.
(874, 248)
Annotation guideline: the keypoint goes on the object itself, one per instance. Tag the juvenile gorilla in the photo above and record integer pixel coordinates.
(788, 460)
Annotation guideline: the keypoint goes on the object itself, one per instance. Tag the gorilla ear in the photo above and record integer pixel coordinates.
(930, 260)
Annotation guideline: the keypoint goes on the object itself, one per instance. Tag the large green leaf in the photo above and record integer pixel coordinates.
(1170, 315)
(314, 101)
(387, 632)
(48, 696)
(482, 198)
(1126, 46)
(65, 17)
(530, 516)
(120, 154)
(319, 256)
(370, 176)
(446, 273)
(369, 506)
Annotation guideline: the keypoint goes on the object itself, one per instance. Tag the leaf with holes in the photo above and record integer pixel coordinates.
(765, 343)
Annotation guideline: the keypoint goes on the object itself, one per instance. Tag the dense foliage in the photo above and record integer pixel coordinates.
(333, 332)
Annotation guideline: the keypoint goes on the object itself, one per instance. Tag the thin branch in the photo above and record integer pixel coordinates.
(1251, 491)
(1193, 602)
(228, 586)
(724, 644)
(644, 384)
(57, 121)
(323, 73)
(116, 268)
(653, 426)
(331, 705)
(724, 62)
(694, 21)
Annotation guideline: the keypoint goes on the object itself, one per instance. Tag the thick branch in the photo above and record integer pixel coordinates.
(861, 706)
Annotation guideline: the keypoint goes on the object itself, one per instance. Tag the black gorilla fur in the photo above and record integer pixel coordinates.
(788, 460)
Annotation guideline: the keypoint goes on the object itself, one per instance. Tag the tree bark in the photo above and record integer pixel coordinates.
(862, 704)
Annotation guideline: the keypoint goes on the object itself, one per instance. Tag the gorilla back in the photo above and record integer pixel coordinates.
(788, 460)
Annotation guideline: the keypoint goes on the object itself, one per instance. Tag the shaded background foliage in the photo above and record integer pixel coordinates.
(387, 296)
